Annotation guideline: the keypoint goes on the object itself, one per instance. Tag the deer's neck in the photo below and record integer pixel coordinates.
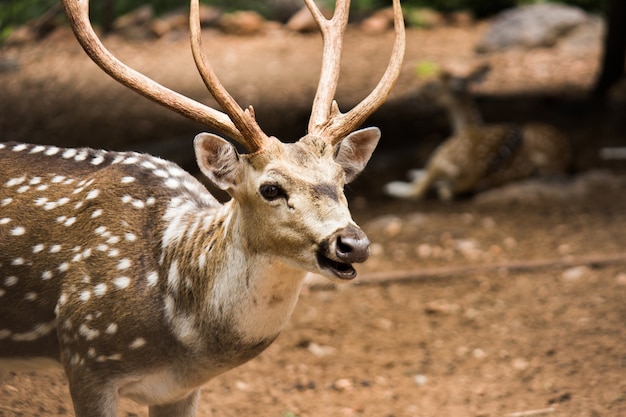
(217, 282)
(463, 113)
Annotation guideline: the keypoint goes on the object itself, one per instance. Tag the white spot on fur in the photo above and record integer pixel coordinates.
(82, 155)
(92, 194)
(37, 332)
(124, 264)
(37, 149)
(18, 231)
(152, 278)
(173, 277)
(161, 173)
(127, 180)
(15, 181)
(121, 282)
(5, 220)
(6, 202)
(18, 261)
(85, 296)
(100, 289)
(148, 165)
(53, 150)
(19, 148)
(87, 332)
(30, 296)
(96, 213)
(64, 267)
(172, 183)
(70, 153)
(137, 343)
(10, 281)
(111, 329)
(55, 249)
(46, 275)
(97, 160)
(38, 248)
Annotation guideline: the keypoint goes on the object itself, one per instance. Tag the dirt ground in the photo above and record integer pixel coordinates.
(511, 303)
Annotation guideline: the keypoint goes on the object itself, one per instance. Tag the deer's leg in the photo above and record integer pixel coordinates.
(91, 398)
(416, 189)
(183, 408)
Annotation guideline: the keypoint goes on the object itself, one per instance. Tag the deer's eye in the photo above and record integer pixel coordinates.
(272, 192)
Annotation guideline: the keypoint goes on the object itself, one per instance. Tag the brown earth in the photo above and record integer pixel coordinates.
(509, 302)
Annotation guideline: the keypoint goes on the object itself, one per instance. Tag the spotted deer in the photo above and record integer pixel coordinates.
(122, 268)
(481, 155)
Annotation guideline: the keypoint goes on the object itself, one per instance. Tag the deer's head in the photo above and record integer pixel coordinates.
(289, 195)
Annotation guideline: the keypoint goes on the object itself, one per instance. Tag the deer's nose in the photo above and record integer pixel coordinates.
(351, 245)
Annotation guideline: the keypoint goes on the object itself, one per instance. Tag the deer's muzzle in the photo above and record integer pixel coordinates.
(343, 248)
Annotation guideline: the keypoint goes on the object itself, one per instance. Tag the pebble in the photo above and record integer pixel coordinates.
(343, 384)
(321, 351)
(420, 380)
(575, 273)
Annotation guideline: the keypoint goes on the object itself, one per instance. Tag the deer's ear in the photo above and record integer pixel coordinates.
(355, 150)
(218, 160)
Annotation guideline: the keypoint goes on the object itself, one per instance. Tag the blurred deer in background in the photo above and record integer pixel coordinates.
(481, 155)
(122, 267)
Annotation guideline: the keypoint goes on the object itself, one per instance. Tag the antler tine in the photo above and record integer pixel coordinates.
(335, 125)
(77, 12)
(253, 137)
(332, 34)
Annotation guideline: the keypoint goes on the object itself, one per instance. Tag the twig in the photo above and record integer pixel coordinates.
(418, 274)
(532, 413)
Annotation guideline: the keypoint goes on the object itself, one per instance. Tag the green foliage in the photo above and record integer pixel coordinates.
(16, 12)
(426, 69)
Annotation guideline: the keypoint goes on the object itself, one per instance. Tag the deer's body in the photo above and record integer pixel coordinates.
(482, 155)
(126, 271)
(111, 259)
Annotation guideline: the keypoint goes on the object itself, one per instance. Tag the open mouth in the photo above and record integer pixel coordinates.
(339, 269)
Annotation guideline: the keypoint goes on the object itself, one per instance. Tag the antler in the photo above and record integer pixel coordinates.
(243, 119)
(326, 119)
(242, 128)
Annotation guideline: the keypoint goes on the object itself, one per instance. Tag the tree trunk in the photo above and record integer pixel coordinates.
(613, 61)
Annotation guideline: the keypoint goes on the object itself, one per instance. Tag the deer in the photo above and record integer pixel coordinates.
(124, 270)
(479, 155)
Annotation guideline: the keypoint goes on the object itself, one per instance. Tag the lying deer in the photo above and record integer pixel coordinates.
(122, 267)
(479, 155)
